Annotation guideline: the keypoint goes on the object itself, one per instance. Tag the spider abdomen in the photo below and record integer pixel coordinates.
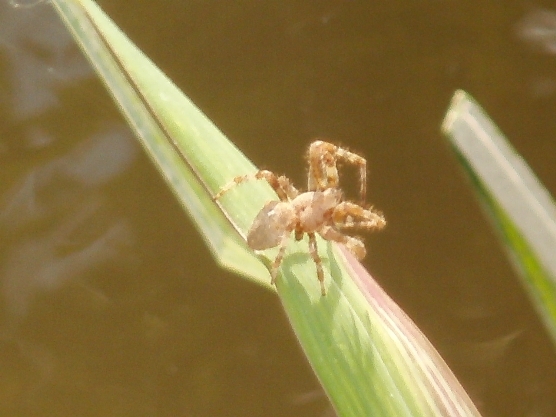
(274, 221)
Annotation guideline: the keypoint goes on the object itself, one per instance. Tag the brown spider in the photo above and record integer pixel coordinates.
(320, 210)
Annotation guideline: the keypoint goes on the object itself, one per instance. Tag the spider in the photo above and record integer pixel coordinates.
(321, 209)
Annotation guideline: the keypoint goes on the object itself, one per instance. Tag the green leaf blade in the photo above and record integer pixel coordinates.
(363, 349)
(182, 142)
(519, 206)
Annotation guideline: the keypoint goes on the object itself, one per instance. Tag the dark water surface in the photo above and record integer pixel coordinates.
(112, 305)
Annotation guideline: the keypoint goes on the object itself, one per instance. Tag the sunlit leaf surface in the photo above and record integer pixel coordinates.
(369, 356)
(517, 203)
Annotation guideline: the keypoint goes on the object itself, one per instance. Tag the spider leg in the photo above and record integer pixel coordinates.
(354, 244)
(350, 215)
(323, 171)
(318, 262)
(281, 185)
(361, 162)
(278, 260)
(314, 254)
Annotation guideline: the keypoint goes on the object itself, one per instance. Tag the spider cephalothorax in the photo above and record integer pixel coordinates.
(322, 209)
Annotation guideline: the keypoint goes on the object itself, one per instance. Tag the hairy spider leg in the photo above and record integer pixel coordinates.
(323, 171)
(350, 215)
(313, 250)
(278, 260)
(354, 244)
(281, 185)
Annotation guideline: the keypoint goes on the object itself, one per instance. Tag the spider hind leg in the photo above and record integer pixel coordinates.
(281, 185)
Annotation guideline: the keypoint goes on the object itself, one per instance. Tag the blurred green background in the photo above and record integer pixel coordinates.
(111, 304)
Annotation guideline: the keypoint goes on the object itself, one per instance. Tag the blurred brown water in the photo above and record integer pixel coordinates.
(111, 304)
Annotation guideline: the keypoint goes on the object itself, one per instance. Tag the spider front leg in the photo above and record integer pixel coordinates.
(323, 171)
(350, 215)
(353, 244)
(281, 185)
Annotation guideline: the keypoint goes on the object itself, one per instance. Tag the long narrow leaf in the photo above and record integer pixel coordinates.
(179, 138)
(370, 358)
(520, 207)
